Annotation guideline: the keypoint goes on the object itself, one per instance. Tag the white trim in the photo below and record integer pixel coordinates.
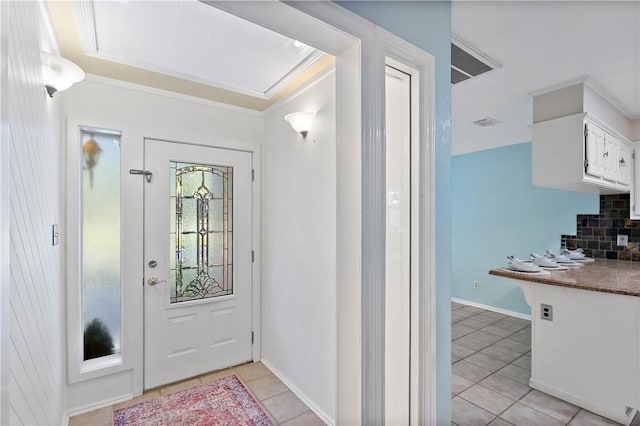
(587, 81)
(582, 403)
(79, 370)
(168, 94)
(481, 56)
(256, 236)
(491, 308)
(297, 71)
(302, 89)
(558, 86)
(297, 392)
(421, 65)
(97, 405)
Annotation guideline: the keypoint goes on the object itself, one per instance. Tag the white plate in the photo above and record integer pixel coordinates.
(524, 267)
(545, 263)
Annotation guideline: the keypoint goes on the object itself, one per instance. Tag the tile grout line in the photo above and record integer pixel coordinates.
(513, 362)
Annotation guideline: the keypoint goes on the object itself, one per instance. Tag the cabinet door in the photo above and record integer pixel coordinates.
(597, 155)
(625, 163)
(611, 157)
(635, 188)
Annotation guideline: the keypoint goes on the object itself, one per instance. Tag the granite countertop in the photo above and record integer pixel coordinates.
(610, 276)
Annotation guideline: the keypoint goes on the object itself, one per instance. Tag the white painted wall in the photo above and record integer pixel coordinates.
(140, 112)
(299, 248)
(36, 350)
(635, 130)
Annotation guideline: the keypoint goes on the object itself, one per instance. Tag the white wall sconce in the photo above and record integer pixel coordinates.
(301, 122)
(59, 73)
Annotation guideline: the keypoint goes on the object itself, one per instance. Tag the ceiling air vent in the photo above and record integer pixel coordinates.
(467, 62)
(486, 122)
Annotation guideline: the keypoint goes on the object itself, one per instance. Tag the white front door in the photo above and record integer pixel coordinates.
(197, 255)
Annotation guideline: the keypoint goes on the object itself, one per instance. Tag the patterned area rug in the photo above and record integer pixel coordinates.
(223, 402)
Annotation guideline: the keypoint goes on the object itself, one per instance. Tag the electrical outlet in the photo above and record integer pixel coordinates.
(623, 240)
(546, 312)
(476, 284)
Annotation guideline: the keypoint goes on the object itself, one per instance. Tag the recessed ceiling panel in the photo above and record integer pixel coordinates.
(197, 42)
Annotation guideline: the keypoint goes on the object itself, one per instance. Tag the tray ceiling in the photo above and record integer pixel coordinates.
(195, 41)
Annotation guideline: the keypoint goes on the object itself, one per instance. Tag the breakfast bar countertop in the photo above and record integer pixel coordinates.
(609, 276)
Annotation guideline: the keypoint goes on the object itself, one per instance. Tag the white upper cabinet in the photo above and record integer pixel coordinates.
(581, 141)
(606, 156)
(596, 158)
(579, 153)
(625, 163)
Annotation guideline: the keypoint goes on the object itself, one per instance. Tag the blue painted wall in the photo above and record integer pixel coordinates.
(496, 212)
(427, 24)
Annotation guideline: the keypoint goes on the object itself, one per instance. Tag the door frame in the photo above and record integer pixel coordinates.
(361, 188)
(256, 199)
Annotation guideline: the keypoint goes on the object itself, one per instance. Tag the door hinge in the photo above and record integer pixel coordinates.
(253, 256)
(252, 337)
(586, 131)
(253, 175)
(586, 165)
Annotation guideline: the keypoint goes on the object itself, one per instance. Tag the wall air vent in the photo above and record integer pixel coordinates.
(467, 62)
(486, 122)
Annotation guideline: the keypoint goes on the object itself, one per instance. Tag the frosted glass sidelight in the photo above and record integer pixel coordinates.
(101, 285)
(200, 233)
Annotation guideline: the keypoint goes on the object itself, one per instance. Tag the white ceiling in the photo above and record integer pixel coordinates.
(196, 42)
(539, 45)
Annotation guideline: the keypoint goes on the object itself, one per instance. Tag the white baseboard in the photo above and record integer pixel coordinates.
(582, 403)
(320, 413)
(491, 308)
(96, 406)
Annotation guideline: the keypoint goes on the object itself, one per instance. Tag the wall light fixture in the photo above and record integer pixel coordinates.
(59, 73)
(301, 122)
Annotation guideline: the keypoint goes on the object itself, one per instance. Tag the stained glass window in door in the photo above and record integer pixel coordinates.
(201, 231)
(101, 285)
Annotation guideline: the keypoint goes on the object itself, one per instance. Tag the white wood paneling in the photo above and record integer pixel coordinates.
(4, 219)
(36, 386)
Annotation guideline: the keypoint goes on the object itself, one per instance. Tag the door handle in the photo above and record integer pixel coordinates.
(153, 281)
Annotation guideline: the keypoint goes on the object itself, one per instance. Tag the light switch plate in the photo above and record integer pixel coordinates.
(55, 235)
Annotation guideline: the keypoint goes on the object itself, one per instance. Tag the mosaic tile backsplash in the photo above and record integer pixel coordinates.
(596, 234)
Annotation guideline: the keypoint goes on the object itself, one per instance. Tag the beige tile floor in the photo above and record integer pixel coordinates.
(280, 404)
(491, 366)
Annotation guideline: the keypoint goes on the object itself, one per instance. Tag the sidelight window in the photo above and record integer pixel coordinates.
(100, 243)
